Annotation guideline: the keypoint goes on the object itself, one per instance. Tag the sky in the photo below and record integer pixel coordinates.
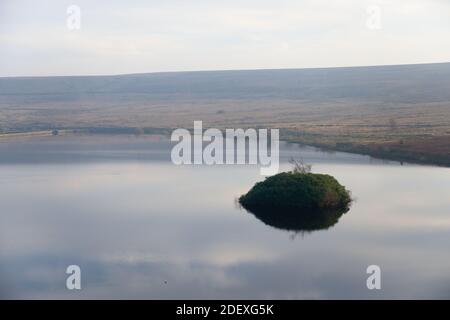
(42, 38)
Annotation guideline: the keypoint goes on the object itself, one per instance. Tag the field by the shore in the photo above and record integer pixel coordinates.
(397, 112)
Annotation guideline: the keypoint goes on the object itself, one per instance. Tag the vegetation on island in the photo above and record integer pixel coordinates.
(298, 200)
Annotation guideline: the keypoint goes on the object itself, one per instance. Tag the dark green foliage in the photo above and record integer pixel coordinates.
(297, 191)
(298, 200)
(303, 220)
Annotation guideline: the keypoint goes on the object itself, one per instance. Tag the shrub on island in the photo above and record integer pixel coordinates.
(298, 200)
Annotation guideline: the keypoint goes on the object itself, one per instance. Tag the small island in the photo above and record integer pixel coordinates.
(298, 200)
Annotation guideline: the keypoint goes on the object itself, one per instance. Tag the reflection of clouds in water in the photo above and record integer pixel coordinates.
(133, 225)
(164, 279)
(393, 198)
(289, 277)
(216, 254)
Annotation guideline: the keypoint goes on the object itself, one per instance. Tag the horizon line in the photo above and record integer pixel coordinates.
(224, 70)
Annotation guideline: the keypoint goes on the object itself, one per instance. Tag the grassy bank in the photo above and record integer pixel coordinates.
(433, 150)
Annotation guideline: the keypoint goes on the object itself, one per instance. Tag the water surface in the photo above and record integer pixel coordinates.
(140, 227)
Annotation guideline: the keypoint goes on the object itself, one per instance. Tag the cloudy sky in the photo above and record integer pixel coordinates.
(39, 38)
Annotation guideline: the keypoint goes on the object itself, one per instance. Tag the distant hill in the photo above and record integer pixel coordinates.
(404, 83)
(400, 112)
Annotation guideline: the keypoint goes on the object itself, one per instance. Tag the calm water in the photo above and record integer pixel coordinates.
(140, 227)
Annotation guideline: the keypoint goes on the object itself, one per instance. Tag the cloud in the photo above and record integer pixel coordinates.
(147, 36)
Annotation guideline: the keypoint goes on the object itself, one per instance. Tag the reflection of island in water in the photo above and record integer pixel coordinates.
(298, 200)
(299, 221)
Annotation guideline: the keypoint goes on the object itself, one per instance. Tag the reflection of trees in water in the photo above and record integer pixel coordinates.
(299, 222)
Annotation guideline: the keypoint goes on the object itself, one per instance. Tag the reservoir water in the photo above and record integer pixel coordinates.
(140, 227)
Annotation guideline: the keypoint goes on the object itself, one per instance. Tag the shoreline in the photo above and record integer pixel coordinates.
(380, 152)
(374, 151)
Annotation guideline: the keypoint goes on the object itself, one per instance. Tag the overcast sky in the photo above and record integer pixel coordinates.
(137, 36)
